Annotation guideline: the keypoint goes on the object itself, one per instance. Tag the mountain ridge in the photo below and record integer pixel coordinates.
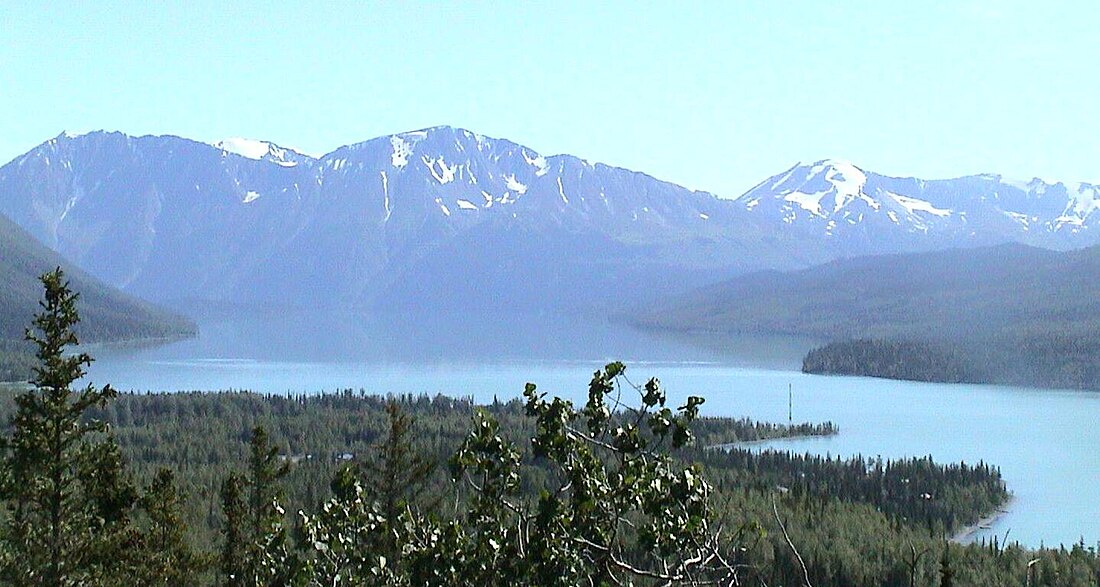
(404, 219)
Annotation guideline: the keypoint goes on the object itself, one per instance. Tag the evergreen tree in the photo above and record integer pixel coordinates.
(68, 496)
(396, 474)
(256, 549)
(232, 561)
(947, 574)
(167, 557)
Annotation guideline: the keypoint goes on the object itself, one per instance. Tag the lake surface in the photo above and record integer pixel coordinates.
(1045, 442)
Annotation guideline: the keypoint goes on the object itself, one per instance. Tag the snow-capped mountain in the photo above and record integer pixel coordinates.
(444, 217)
(842, 202)
(439, 216)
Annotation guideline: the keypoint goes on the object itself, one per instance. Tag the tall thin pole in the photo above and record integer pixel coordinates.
(790, 406)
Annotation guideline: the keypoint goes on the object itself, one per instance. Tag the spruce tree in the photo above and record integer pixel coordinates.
(947, 574)
(256, 547)
(168, 559)
(396, 475)
(67, 493)
(232, 561)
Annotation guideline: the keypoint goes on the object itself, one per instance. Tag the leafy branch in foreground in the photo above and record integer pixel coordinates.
(611, 508)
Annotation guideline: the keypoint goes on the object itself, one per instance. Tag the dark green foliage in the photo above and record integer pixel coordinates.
(893, 359)
(947, 575)
(716, 431)
(233, 562)
(167, 556)
(394, 476)
(608, 506)
(916, 491)
(16, 360)
(849, 531)
(67, 494)
(71, 504)
(255, 549)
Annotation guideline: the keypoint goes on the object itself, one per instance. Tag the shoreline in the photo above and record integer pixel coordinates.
(139, 342)
(136, 342)
(965, 535)
(749, 443)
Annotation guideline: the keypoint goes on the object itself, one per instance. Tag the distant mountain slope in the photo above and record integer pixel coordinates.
(106, 314)
(444, 219)
(1021, 314)
(955, 292)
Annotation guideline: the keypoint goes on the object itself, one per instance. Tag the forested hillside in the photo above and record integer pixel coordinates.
(854, 516)
(199, 488)
(106, 314)
(1008, 314)
(853, 521)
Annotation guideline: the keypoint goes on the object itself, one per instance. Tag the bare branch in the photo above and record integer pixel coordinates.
(790, 543)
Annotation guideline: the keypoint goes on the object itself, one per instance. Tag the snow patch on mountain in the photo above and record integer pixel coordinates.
(1024, 186)
(823, 189)
(538, 162)
(446, 173)
(385, 195)
(401, 151)
(514, 185)
(1020, 218)
(247, 148)
(261, 151)
(443, 207)
(1084, 199)
(913, 205)
(847, 181)
(808, 202)
(561, 191)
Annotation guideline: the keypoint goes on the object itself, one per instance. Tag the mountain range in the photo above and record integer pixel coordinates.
(859, 211)
(450, 220)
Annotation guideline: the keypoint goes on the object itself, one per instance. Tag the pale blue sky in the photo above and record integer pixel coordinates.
(712, 95)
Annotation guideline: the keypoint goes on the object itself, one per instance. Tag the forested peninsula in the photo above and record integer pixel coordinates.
(891, 359)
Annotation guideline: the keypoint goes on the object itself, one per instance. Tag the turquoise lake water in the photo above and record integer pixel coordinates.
(1044, 441)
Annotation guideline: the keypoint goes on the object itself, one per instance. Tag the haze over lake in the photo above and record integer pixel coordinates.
(1043, 440)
